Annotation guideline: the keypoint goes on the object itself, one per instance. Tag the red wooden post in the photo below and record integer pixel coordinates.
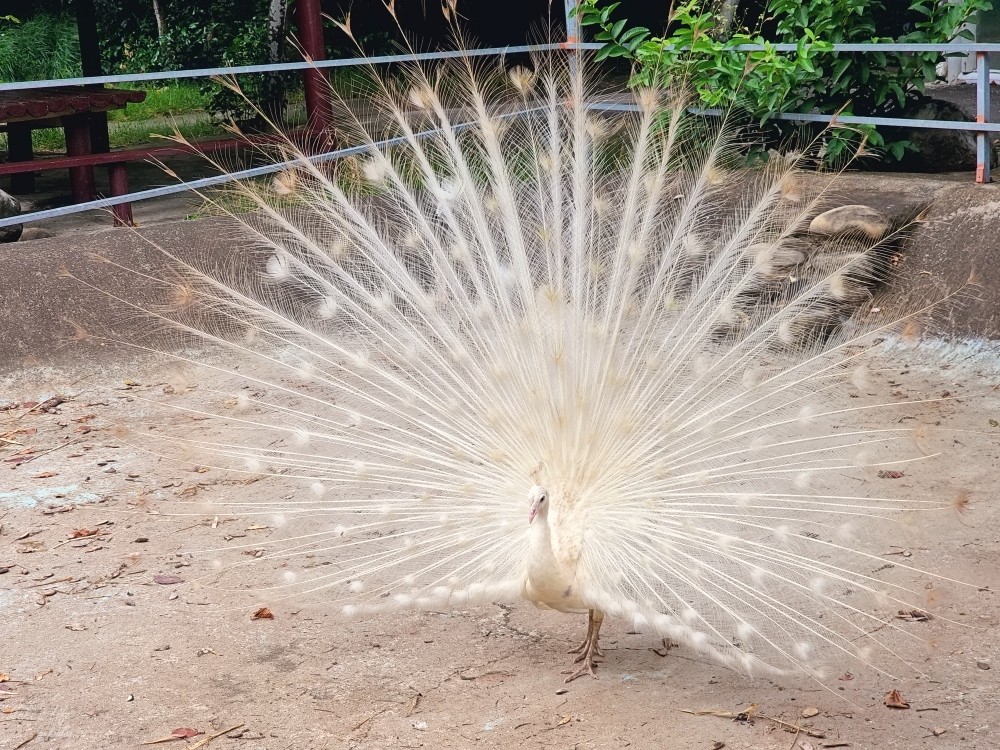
(118, 182)
(81, 179)
(19, 149)
(317, 87)
(90, 63)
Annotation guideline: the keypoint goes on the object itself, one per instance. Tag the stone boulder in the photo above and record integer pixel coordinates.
(862, 221)
(937, 150)
(10, 206)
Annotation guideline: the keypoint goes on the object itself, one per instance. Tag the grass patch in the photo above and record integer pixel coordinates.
(134, 133)
(168, 100)
(123, 135)
(43, 47)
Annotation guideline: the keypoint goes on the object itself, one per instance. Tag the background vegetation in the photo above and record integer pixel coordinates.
(688, 38)
(701, 35)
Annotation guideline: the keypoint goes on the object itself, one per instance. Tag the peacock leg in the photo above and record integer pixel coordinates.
(590, 649)
(590, 629)
(582, 648)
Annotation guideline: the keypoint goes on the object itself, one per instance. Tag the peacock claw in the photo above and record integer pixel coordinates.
(588, 650)
(582, 649)
(587, 668)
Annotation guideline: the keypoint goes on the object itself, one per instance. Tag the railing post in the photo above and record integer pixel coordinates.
(983, 115)
(572, 36)
(317, 88)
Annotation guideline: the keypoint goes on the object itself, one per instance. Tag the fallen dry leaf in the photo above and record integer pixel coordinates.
(185, 732)
(894, 699)
(167, 580)
(262, 614)
(411, 706)
(46, 474)
(77, 533)
(890, 474)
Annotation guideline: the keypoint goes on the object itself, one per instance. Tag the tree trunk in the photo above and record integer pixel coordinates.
(726, 14)
(161, 23)
(161, 32)
(277, 17)
(274, 87)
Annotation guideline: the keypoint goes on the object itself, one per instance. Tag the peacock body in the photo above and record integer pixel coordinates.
(519, 348)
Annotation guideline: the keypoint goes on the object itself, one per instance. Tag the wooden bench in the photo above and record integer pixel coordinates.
(116, 163)
(81, 111)
(74, 109)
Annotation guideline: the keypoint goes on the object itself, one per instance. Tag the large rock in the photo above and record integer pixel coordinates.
(854, 219)
(10, 206)
(937, 150)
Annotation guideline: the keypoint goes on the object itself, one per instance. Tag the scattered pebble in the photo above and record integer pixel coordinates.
(983, 664)
(809, 712)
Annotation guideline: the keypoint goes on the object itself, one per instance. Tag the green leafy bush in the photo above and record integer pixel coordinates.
(700, 51)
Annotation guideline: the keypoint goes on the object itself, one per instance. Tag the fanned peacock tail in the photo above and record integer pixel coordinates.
(522, 290)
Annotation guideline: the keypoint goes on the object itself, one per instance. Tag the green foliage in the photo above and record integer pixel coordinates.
(701, 53)
(197, 35)
(39, 48)
(265, 92)
(170, 99)
(123, 135)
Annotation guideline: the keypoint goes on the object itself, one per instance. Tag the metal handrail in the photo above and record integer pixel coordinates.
(982, 127)
(346, 62)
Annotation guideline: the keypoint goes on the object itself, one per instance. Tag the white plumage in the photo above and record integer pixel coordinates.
(526, 310)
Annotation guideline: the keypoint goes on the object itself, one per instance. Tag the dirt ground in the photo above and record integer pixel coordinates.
(104, 642)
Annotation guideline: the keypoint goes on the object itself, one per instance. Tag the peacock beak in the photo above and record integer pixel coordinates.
(531, 514)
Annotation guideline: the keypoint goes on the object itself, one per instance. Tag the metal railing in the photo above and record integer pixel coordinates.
(981, 126)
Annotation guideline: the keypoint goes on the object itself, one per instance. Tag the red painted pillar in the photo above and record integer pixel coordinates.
(317, 88)
(81, 179)
(118, 182)
(19, 149)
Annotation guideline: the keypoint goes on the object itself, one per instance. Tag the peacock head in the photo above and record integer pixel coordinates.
(537, 502)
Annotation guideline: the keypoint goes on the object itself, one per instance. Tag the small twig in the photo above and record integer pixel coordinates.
(98, 535)
(70, 579)
(45, 453)
(484, 674)
(356, 727)
(202, 743)
(787, 726)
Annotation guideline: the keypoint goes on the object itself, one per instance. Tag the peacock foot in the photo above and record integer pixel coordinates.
(582, 648)
(589, 649)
